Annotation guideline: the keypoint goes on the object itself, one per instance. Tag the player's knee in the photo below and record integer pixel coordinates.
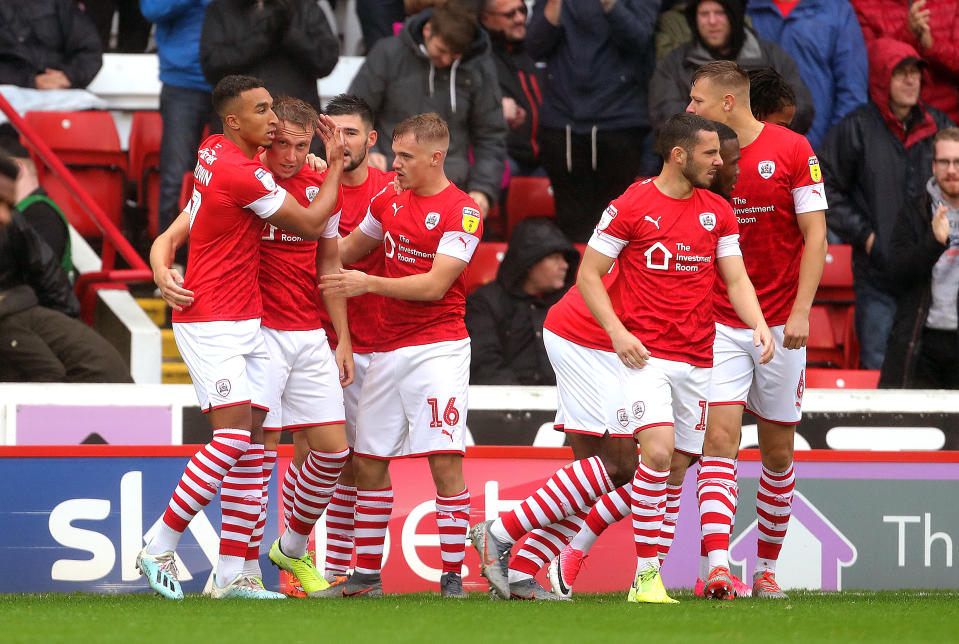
(778, 458)
(657, 457)
(622, 468)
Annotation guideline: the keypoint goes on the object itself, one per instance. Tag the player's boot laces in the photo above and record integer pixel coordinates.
(765, 586)
(563, 571)
(161, 573)
(719, 585)
(309, 578)
(648, 589)
(494, 557)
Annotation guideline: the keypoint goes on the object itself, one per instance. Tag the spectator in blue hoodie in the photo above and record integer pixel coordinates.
(825, 40)
(185, 103)
(594, 120)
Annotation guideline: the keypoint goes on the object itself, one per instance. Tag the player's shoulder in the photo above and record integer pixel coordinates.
(378, 178)
(783, 140)
(637, 193)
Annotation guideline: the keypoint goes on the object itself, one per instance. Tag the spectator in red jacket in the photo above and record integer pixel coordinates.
(932, 28)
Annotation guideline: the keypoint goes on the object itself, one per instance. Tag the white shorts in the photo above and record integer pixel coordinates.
(414, 401)
(667, 392)
(587, 387)
(351, 395)
(771, 391)
(228, 362)
(304, 379)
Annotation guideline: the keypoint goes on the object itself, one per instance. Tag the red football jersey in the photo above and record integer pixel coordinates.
(414, 229)
(779, 178)
(666, 250)
(572, 320)
(362, 311)
(291, 300)
(231, 196)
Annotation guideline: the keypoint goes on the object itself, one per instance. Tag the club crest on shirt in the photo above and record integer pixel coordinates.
(265, 178)
(766, 169)
(622, 417)
(223, 387)
(639, 408)
(814, 172)
(708, 220)
(608, 216)
(432, 219)
(471, 219)
(311, 193)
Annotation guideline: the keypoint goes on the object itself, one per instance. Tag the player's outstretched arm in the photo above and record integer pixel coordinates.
(423, 287)
(168, 280)
(742, 296)
(589, 280)
(328, 263)
(356, 246)
(813, 228)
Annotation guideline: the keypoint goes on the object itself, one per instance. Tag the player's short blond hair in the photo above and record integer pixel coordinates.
(425, 128)
(726, 75)
(296, 111)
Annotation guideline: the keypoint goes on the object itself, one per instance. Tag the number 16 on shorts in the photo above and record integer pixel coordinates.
(450, 419)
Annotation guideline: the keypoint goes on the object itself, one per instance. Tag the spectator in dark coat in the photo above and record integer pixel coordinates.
(875, 161)
(440, 62)
(47, 44)
(720, 33)
(923, 350)
(519, 80)
(505, 317)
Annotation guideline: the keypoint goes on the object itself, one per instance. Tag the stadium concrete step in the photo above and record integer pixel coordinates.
(170, 351)
(175, 373)
(155, 308)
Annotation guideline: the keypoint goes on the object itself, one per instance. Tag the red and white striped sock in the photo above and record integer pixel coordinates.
(288, 492)
(570, 490)
(648, 506)
(542, 545)
(239, 512)
(668, 531)
(607, 510)
(252, 565)
(339, 530)
(373, 509)
(717, 491)
(452, 523)
(774, 500)
(314, 489)
(198, 485)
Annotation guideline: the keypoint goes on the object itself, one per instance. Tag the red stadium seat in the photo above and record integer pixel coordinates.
(842, 378)
(146, 131)
(823, 348)
(528, 197)
(88, 144)
(836, 282)
(484, 264)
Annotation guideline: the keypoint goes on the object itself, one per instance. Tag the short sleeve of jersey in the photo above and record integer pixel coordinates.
(806, 179)
(728, 242)
(613, 230)
(462, 234)
(332, 230)
(253, 187)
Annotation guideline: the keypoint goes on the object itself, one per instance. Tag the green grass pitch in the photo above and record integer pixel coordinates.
(901, 617)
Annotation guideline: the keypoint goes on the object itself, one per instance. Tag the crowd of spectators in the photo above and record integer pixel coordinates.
(573, 90)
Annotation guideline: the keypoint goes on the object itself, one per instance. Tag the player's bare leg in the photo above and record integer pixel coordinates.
(773, 503)
(339, 525)
(717, 491)
(452, 519)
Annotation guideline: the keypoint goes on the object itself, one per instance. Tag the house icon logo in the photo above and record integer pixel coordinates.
(657, 257)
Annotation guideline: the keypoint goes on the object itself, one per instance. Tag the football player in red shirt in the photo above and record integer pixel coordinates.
(780, 204)
(413, 401)
(217, 310)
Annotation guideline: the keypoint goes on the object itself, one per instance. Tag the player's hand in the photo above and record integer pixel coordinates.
(940, 225)
(346, 283)
(170, 283)
(315, 163)
(763, 337)
(796, 333)
(333, 139)
(344, 362)
(630, 350)
(377, 161)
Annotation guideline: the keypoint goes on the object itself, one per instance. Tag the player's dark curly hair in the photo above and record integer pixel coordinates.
(229, 88)
(769, 93)
(350, 104)
(8, 167)
(681, 130)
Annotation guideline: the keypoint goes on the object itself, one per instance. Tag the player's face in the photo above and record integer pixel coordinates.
(548, 275)
(255, 116)
(727, 176)
(507, 17)
(713, 25)
(904, 86)
(288, 153)
(783, 117)
(707, 101)
(411, 161)
(357, 138)
(945, 167)
(436, 48)
(704, 161)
